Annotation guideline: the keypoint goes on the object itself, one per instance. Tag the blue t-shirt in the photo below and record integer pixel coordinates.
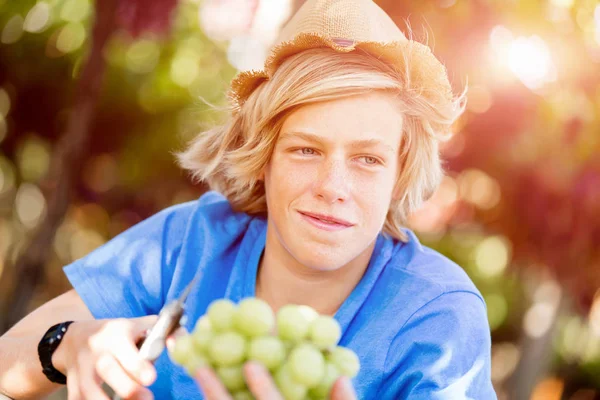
(416, 321)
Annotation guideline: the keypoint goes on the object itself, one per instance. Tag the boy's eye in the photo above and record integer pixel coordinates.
(370, 160)
(307, 151)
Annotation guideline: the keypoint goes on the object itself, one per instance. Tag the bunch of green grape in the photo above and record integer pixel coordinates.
(298, 346)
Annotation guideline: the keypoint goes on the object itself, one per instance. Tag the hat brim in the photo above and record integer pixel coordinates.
(406, 57)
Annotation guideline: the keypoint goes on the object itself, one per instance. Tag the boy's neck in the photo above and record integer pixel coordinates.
(282, 280)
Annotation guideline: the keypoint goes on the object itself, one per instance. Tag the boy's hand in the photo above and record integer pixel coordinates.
(105, 350)
(261, 385)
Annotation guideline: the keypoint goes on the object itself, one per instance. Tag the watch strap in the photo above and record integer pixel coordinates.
(46, 347)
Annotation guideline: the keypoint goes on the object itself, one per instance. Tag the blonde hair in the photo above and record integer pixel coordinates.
(231, 157)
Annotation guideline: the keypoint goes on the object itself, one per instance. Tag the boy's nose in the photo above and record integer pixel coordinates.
(333, 182)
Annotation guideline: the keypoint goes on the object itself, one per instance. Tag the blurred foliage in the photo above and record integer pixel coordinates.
(519, 209)
(157, 93)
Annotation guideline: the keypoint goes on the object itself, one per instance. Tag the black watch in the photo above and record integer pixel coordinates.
(46, 348)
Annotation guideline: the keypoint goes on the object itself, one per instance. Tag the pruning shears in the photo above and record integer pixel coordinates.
(169, 319)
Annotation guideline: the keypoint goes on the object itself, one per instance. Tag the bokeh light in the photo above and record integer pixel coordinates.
(142, 56)
(71, 37)
(38, 18)
(33, 158)
(100, 174)
(13, 30)
(529, 59)
(479, 189)
(541, 315)
(185, 67)
(591, 352)
(500, 42)
(30, 205)
(248, 49)
(538, 319)
(62, 239)
(223, 20)
(548, 389)
(75, 10)
(570, 340)
(492, 256)
(563, 3)
(505, 357)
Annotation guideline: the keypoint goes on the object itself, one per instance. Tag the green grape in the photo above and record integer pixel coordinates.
(345, 360)
(227, 349)
(292, 323)
(232, 377)
(289, 388)
(202, 340)
(183, 347)
(307, 365)
(325, 332)
(202, 335)
(203, 325)
(243, 395)
(321, 391)
(222, 314)
(268, 350)
(255, 317)
(195, 361)
(309, 312)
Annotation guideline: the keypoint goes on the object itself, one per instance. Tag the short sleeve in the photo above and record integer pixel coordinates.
(442, 352)
(129, 275)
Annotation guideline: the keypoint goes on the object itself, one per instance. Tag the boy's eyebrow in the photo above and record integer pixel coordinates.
(309, 137)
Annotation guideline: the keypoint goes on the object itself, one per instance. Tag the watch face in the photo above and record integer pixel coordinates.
(53, 334)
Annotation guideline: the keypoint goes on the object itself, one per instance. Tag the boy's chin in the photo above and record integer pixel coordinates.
(323, 265)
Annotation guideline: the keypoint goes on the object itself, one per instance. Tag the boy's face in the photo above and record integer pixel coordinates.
(337, 160)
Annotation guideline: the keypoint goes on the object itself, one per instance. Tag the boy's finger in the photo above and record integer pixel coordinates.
(343, 389)
(260, 382)
(211, 386)
(170, 342)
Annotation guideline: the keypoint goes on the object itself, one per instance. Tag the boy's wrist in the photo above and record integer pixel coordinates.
(52, 350)
(58, 357)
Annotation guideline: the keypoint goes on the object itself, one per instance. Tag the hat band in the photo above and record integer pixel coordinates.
(343, 42)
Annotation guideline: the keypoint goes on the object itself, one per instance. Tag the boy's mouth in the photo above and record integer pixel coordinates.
(326, 221)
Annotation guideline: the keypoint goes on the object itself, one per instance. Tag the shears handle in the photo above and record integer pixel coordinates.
(154, 342)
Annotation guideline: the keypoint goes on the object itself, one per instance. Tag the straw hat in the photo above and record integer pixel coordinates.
(345, 26)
